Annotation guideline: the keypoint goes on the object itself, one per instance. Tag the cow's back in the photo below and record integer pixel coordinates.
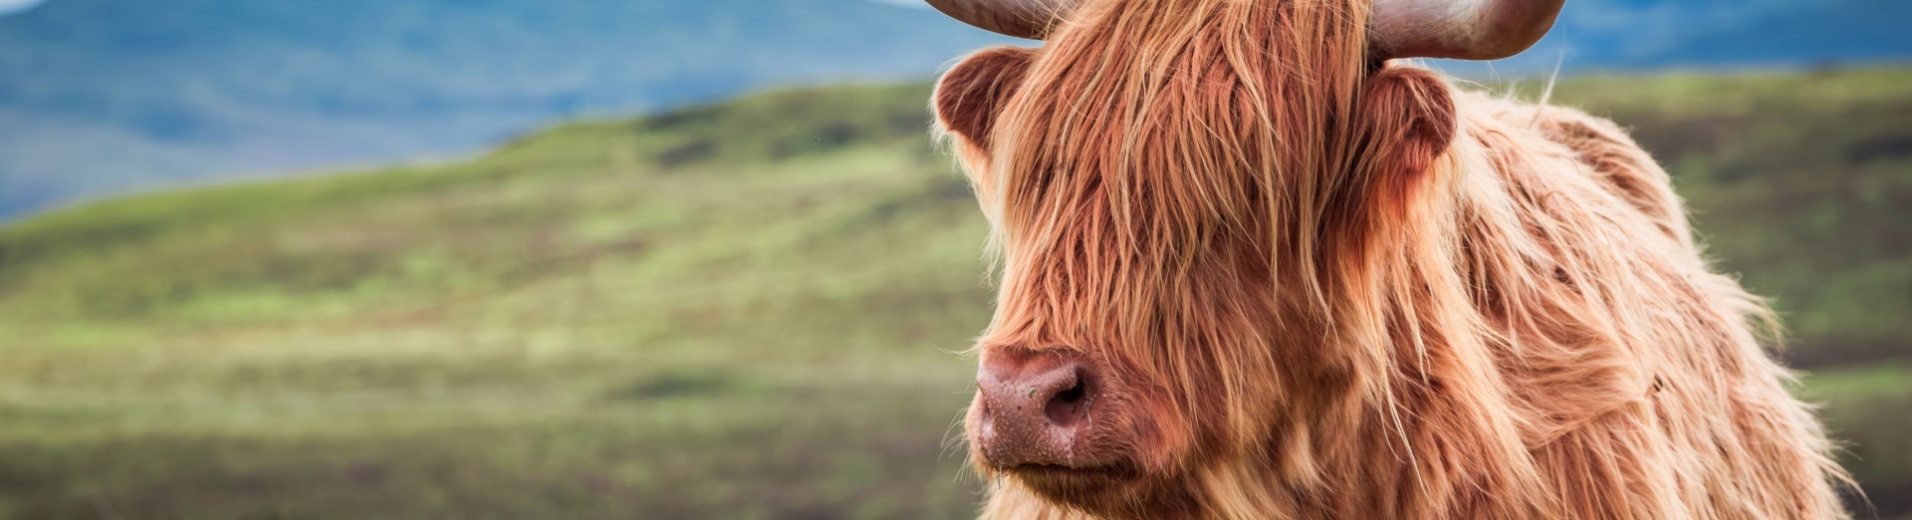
(1636, 366)
(1605, 149)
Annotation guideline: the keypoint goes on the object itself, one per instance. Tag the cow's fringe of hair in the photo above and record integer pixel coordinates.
(1209, 195)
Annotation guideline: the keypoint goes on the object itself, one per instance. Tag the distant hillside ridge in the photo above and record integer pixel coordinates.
(104, 96)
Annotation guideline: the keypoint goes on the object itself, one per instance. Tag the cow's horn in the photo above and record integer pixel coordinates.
(1030, 19)
(1456, 29)
(1461, 29)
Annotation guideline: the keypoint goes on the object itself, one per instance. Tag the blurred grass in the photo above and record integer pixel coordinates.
(565, 328)
(744, 310)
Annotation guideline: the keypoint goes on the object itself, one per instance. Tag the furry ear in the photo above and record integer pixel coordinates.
(972, 94)
(1409, 119)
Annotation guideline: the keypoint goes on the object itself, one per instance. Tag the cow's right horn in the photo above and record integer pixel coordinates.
(1460, 29)
(1030, 19)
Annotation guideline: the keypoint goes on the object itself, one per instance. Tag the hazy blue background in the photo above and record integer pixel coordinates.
(102, 96)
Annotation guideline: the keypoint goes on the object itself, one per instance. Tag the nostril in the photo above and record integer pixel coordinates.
(1065, 407)
(1072, 395)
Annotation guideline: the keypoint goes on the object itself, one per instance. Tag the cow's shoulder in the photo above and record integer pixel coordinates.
(1604, 148)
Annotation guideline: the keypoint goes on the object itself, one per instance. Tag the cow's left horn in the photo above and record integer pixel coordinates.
(1030, 19)
(1461, 29)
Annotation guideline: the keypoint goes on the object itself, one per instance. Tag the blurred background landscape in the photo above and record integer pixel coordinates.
(654, 259)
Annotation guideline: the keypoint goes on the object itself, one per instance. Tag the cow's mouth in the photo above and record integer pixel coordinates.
(1055, 470)
(1067, 481)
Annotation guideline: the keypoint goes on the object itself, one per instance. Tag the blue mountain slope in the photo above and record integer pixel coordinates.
(1828, 32)
(103, 95)
(1633, 35)
(100, 96)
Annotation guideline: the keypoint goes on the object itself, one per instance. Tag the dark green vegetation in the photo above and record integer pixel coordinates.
(744, 310)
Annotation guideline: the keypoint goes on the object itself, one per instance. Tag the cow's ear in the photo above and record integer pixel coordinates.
(972, 94)
(1410, 121)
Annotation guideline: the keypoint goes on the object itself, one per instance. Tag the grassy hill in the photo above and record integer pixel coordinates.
(742, 310)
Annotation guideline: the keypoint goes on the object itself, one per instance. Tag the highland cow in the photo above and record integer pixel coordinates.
(1253, 267)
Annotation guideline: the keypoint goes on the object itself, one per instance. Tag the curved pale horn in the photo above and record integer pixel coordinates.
(1454, 29)
(1030, 19)
(1461, 29)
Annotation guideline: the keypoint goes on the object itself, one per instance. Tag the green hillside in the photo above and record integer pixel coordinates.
(745, 310)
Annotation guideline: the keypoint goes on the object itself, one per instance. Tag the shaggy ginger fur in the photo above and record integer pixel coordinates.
(1330, 288)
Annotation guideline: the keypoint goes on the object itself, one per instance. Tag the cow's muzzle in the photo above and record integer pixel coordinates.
(1038, 409)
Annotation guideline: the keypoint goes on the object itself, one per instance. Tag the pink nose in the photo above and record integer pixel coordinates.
(1035, 408)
